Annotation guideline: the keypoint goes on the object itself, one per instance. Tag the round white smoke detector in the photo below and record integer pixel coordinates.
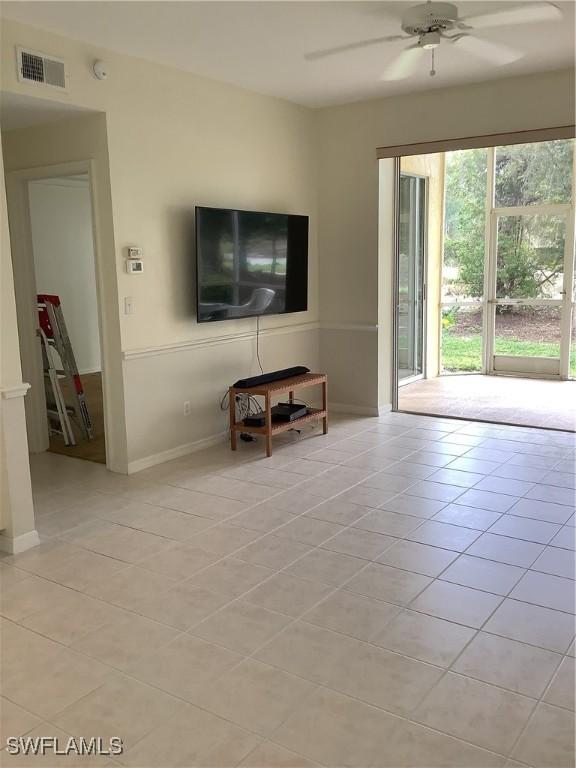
(100, 69)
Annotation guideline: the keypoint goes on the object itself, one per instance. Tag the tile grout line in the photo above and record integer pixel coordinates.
(315, 548)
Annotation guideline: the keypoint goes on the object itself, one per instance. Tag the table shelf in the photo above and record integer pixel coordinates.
(282, 426)
(266, 391)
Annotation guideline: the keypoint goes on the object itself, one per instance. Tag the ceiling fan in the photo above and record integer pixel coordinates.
(428, 25)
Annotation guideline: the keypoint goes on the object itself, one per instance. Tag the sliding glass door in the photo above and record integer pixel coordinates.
(508, 261)
(411, 278)
(530, 260)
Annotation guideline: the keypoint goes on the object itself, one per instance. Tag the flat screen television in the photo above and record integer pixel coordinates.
(250, 263)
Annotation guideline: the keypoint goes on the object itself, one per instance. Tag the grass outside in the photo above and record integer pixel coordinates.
(464, 353)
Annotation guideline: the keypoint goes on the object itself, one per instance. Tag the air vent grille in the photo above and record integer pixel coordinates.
(35, 67)
(32, 67)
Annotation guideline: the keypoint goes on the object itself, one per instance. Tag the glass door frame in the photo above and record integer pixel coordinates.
(423, 297)
(491, 300)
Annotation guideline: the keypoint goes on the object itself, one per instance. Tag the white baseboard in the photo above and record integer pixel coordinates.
(17, 544)
(183, 450)
(175, 453)
(356, 410)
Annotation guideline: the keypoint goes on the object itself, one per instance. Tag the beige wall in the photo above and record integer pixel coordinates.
(10, 370)
(431, 167)
(16, 509)
(63, 244)
(356, 286)
(175, 140)
(199, 373)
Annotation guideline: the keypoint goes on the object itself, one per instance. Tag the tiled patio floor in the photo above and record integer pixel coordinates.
(504, 399)
(397, 593)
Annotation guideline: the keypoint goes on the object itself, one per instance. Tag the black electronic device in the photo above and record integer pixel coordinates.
(254, 420)
(267, 378)
(288, 411)
(250, 263)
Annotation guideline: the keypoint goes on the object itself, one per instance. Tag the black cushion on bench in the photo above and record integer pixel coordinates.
(266, 378)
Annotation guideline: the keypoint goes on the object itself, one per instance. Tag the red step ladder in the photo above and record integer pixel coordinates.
(54, 336)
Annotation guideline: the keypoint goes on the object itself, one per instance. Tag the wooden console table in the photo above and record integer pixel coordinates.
(280, 387)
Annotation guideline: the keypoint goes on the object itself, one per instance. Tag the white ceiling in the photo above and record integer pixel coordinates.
(261, 45)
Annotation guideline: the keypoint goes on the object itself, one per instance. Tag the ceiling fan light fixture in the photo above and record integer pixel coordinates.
(430, 40)
(427, 25)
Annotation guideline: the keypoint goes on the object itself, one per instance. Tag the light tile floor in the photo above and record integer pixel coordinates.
(397, 593)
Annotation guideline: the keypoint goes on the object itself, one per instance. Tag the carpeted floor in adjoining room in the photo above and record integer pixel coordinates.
(90, 450)
(502, 399)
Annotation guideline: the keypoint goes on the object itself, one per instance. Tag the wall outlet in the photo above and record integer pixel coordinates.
(187, 408)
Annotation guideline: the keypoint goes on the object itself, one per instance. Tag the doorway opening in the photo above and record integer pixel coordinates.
(499, 301)
(68, 392)
(64, 266)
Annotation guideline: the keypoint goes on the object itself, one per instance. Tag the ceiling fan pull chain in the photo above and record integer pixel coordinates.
(433, 70)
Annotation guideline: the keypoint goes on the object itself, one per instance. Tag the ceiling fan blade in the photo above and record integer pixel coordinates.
(404, 64)
(496, 53)
(351, 47)
(528, 13)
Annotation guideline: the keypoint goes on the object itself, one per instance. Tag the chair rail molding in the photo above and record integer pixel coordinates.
(229, 338)
(211, 341)
(17, 390)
